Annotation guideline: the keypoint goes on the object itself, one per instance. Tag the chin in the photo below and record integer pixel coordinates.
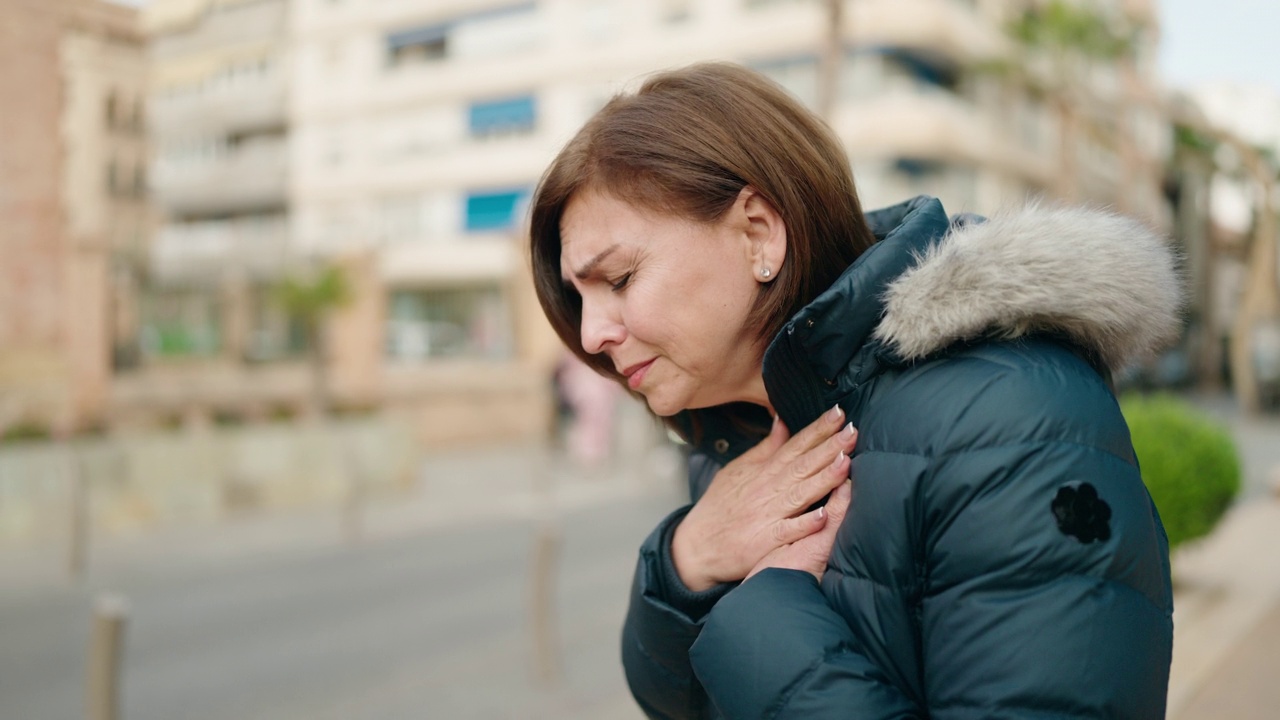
(664, 405)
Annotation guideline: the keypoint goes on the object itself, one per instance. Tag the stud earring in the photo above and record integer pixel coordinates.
(765, 273)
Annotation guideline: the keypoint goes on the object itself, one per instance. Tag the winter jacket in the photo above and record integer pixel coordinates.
(1001, 557)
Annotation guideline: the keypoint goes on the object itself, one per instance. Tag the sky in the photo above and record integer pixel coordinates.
(1204, 41)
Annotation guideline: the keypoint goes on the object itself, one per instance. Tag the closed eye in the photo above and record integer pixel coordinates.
(621, 282)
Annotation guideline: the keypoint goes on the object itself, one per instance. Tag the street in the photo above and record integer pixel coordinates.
(427, 625)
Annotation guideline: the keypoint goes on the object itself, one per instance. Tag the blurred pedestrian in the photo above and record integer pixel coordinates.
(701, 242)
(591, 400)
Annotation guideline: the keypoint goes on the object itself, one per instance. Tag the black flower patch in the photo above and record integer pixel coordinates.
(1082, 514)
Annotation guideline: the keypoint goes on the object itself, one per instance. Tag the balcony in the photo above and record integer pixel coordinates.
(200, 251)
(231, 108)
(250, 176)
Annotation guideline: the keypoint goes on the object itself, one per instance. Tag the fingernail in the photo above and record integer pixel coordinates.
(839, 459)
(850, 431)
(835, 414)
(822, 512)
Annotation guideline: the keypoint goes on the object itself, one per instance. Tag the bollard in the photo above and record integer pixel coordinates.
(353, 502)
(546, 549)
(78, 530)
(106, 647)
(542, 576)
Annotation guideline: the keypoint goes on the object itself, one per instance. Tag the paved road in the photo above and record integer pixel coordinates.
(424, 625)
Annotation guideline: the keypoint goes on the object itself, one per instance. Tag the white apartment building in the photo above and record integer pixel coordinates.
(420, 128)
(411, 133)
(218, 117)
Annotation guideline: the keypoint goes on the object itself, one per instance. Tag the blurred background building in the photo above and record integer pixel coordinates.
(401, 140)
(74, 218)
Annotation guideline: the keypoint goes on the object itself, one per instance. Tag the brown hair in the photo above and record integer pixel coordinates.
(687, 143)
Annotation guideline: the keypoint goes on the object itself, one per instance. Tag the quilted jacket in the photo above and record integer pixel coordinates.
(1001, 557)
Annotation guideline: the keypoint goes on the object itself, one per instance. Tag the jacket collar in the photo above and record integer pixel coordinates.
(824, 351)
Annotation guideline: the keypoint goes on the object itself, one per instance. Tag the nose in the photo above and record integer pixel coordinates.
(601, 327)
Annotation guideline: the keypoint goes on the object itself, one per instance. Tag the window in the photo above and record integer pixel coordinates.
(180, 323)
(489, 33)
(488, 211)
(273, 333)
(924, 72)
(510, 116)
(417, 45)
(438, 323)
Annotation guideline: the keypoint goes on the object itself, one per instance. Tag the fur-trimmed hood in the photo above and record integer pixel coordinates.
(1103, 280)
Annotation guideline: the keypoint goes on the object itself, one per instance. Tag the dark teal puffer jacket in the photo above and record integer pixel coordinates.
(1001, 557)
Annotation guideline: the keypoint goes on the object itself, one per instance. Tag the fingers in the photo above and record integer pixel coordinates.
(790, 530)
(838, 504)
(800, 495)
(813, 435)
(826, 452)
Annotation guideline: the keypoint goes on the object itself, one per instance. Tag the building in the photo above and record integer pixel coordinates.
(420, 129)
(211, 339)
(73, 207)
(403, 139)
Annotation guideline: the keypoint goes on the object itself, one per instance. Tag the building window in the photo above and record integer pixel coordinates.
(273, 333)
(488, 33)
(444, 323)
(509, 116)
(488, 211)
(417, 45)
(178, 323)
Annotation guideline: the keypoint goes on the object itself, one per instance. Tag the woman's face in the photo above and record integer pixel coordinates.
(666, 299)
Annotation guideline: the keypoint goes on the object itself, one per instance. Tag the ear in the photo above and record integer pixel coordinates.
(765, 234)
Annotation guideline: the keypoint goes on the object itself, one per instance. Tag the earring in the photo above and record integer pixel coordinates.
(765, 273)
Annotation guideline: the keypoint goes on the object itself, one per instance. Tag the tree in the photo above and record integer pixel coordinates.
(1059, 43)
(310, 298)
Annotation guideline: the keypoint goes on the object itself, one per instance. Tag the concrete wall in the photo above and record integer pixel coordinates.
(144, 480)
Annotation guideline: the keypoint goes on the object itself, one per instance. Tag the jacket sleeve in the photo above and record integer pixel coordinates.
(663, 620)
(1048, 585)
(774, 648)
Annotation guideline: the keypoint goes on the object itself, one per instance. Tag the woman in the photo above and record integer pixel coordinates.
(702, 243)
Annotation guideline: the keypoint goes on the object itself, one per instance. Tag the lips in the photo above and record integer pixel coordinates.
(635, 373)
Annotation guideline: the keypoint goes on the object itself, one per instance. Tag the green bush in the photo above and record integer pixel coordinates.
(1189, 463)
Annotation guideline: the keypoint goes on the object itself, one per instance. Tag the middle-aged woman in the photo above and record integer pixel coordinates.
(701, 242)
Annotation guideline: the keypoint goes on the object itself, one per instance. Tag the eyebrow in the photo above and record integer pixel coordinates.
(585, 271)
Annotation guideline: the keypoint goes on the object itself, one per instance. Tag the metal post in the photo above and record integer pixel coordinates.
(546, 550)
(78, 502)
(542, 576)
(106, 647)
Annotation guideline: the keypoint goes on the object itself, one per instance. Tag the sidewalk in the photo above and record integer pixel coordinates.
(1226, 599)
(1226, 649)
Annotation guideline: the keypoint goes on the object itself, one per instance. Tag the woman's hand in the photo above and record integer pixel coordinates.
(756, 504)
(811, 553)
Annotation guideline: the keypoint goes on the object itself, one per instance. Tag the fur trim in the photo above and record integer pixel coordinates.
(1103, 280)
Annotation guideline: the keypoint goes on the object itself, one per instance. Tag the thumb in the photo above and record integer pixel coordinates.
(777, 437)
(838, 504)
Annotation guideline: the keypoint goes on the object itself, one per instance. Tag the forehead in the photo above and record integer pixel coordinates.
(594, 222)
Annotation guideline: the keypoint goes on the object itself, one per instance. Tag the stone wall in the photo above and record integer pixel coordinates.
(199, 475)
